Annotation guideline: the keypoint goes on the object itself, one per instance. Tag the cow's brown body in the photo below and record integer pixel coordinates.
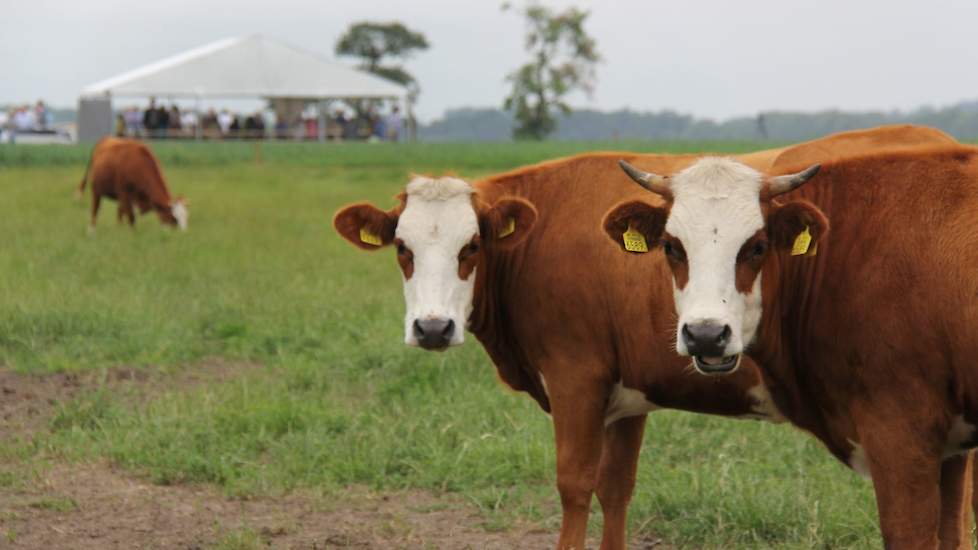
(871, 344)
(126, 171)
(583, 324)
(565, 318)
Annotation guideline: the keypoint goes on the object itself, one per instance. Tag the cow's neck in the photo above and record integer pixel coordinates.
(491, 323)
(791, 288)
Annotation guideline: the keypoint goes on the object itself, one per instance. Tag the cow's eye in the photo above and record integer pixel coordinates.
(469, 250)
(760, 247)
(672, 251)
(401, 249)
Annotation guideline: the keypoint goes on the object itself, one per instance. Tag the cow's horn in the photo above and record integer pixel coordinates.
(653, 182)
(788, 182)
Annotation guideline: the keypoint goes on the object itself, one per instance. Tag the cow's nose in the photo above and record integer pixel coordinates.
(706, 338)
(434, 333)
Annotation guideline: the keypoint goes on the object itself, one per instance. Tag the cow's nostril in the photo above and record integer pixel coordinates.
(706, 338)
(434, 333)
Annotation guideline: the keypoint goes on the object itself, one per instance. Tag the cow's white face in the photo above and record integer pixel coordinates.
(436, 235)
(713, 230)
(180, 213)
(716, 230)
(441, 232)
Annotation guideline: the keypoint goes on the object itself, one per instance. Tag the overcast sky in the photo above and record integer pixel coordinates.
(709, 58)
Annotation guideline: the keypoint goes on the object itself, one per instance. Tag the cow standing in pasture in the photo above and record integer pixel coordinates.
(515, 259)
(866, 333)
(127, 171)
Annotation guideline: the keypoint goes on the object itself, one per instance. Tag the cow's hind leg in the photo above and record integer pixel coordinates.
(578, 412)
(956, 491)
(96, 201)
(616, 477)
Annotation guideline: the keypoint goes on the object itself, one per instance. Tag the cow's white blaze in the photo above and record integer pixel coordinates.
(438, 220)
(763, 406)
(625, 402)
(857, 460)
(715, 210)
(182, 215)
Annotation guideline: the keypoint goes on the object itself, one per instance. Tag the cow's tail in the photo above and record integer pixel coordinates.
(84, 181)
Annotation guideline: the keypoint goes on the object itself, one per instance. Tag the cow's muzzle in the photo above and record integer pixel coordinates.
(707, 342)
(434, 334)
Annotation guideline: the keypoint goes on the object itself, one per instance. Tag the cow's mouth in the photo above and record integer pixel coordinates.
(716, 365)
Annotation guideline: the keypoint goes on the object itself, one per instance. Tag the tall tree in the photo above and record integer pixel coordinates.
(375, 43)
(563, 58)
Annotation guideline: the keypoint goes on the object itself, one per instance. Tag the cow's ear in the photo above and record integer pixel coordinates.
(507, 222)
(797, 226)
(366, 226)
(635, 226)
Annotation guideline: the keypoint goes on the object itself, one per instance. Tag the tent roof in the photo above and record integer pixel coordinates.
(249, 66)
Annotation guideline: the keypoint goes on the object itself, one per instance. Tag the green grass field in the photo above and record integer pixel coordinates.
(337, 399)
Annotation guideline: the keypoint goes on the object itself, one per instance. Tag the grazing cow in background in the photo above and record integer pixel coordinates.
(127, 171)
(866, 334)
(514, 258)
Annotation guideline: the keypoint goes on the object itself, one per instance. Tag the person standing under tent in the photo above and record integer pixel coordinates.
(162, 121)
(42, 118)
(174, 121)
(395, 124)
(224, 120)
(151, 118)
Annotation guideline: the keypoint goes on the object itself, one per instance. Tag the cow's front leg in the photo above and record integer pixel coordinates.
(906, 469)
(125, 213)
(578, 413)
(616, 477)
(956, 491)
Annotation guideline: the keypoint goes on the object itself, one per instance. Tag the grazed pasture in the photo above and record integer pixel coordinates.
(315, 394)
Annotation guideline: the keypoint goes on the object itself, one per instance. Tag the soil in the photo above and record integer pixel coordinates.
(96, 506)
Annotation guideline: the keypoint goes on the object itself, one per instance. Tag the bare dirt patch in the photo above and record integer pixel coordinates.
(96, 506)
(93, 506)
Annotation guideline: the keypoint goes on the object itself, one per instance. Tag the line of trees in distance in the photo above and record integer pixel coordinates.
(490, 124)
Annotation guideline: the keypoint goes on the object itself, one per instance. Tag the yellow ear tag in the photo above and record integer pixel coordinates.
(509, 229)
(802, 242)
(634, 241)
(370, 238)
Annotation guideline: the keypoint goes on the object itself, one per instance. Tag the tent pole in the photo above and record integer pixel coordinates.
(321, 122)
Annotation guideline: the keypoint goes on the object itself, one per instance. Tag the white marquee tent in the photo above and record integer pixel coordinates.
(242, 68)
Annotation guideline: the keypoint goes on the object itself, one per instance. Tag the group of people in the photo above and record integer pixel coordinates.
(156, 121)
(159, 122)
(24, 119)
(369, 125)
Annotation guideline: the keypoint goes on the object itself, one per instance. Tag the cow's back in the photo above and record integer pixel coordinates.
(118, 162)
(858, 142)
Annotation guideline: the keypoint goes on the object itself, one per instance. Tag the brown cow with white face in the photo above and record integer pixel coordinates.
(865, 334)
(127, 171)
(514, 259)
